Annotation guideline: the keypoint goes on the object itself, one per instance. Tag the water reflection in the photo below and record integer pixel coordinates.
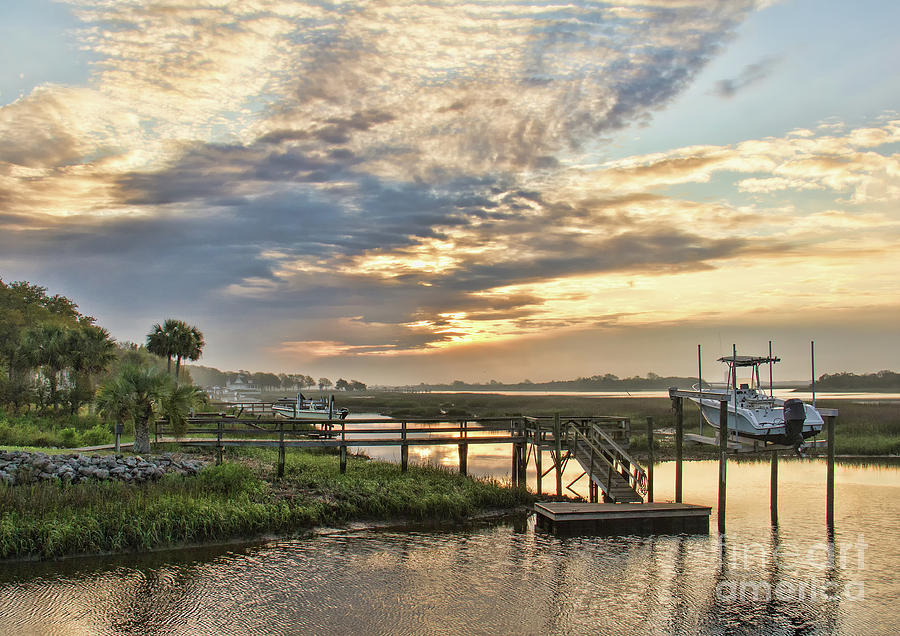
(504, 578)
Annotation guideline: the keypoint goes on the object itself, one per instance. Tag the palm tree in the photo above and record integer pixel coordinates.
(141, 394)
(134, 394)
(189, 345)
(161, 341)
(47, 348)
(90, 350)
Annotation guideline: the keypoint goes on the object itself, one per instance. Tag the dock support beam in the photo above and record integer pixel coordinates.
(650, 460)
(281, 450)
(219, 449)
(404, 449)
(723, 450)
(679, 444)
(829, 487)
(773, 489)
(538, 462)
(557, 438)
(463, 448)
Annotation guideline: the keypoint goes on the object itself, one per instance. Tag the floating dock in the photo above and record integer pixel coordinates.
(564, 518)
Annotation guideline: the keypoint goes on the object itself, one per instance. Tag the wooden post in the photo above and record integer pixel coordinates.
(773, 489)
(557, 439)
(723, 450)
(343, 447)
(514, 468)
(281, 450)
(538, 459)
(118, 437)
(463, 449)
(679, 444)
(523, 465)
(650, 460)
(829, 486)
(219, 449)
(404, 448)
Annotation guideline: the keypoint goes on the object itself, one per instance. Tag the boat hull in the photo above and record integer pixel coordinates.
(760, 423)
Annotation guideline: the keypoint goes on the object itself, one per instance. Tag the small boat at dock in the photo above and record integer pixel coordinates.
(303, 408)
(753, 412)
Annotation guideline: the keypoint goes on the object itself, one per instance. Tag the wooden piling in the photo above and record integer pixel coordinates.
(679, 444)
(557, 438)
(219, 449)
(523, 464)
(343, 446)
(404, 448)
(463, 449)
(829, 486)
(538, 460)
(773, 489)
(281, 450)
(514, 467)
(723, 450)
(650, 460)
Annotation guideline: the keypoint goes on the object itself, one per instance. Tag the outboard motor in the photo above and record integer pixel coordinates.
(794, 416)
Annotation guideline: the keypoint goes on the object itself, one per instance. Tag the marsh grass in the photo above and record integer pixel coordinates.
(234, 500)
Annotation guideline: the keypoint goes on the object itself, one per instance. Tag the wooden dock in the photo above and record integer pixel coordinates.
(564, 518)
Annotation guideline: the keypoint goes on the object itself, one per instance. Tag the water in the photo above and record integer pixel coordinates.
(509, 578)
(779, 393)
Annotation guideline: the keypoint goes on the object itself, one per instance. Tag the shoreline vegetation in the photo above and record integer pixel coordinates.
(238, 500)
(242, 499)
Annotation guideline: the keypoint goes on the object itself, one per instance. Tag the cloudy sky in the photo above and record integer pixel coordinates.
(426, 191)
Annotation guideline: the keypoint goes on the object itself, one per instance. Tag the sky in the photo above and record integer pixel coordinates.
(405, 192)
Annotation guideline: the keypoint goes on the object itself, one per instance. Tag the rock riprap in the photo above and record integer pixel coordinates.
(21, 467)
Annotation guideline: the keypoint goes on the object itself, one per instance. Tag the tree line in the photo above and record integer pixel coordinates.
(53, 357)
(266, 381)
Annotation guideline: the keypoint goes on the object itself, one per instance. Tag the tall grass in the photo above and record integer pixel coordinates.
(230, 501)
(60, 431)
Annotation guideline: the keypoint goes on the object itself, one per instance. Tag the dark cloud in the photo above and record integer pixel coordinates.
(751, 74)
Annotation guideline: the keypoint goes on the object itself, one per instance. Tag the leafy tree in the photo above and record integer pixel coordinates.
(325, 383)
(356, 385)
(342, 385)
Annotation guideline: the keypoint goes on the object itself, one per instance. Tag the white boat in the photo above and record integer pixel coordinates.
(754, 413)
(303, 408)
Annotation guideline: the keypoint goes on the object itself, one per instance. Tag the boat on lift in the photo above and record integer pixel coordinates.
(303, 408)
(754, 413)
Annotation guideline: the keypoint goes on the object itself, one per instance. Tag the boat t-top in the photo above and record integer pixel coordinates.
(754, 413)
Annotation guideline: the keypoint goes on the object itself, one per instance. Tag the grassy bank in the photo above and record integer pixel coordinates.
(235, 500)
(53, 431)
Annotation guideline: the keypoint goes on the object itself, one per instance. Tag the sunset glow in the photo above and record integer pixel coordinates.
(407, 192)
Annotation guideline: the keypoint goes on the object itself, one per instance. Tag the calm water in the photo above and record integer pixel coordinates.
(779, 393)
(509, 578)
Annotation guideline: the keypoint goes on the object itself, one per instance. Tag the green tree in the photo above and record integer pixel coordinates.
(189, 345)
(141, 394)
(161, 341)
(91, 351)
(325, 383)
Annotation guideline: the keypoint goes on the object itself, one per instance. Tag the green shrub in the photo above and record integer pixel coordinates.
(69, 438)
(96, 435)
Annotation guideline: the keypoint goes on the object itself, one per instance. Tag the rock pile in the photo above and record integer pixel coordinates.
(21, 467)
